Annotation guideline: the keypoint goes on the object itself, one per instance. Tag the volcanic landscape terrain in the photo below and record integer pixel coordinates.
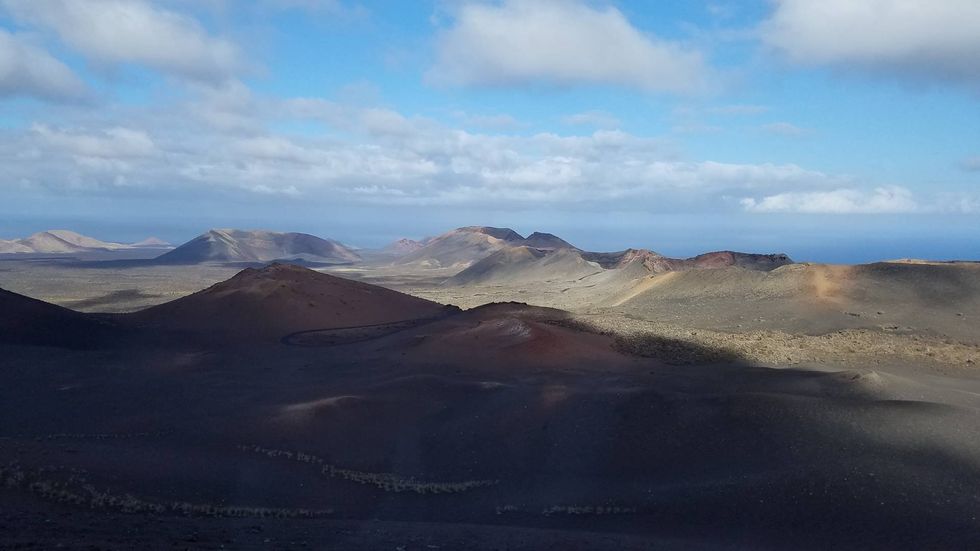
(482, 390)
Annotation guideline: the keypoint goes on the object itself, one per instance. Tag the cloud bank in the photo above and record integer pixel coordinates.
(909, 39)
(27, 70)
(111, 32)
(551, 42)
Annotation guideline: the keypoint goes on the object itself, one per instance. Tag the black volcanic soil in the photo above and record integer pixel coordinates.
(501, 427)
(29, 321)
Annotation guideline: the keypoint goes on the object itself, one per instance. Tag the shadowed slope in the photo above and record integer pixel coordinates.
(495, 416)
(33, 322)
(540, 240)
(526, 264)
(274, 301)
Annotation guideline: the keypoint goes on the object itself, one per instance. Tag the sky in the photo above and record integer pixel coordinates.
(832, 130)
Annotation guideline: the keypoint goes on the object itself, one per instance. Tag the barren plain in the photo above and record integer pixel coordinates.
(800, 405)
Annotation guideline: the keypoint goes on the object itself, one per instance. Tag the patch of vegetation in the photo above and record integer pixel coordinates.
(388, 482)
(588, 510)
(77, 491)
(668, 349)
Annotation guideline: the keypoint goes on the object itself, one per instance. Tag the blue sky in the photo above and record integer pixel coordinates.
(830, 130)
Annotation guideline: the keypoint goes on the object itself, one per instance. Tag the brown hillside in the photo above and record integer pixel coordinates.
(280, 299)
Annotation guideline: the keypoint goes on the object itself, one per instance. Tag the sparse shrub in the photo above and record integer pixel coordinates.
(588, 510)
(500, 510)
(388, 482)
(86, 495)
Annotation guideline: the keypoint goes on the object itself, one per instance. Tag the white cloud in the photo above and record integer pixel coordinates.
(229, 107)
(112, 32)
(907, 38)
(555, 42)
(371, 155)
(110, 143)
(290, 191)
(385, 123)
(881, 200)
(489, 122)
(28, 70)
(596, 119)
(961, 203)
(83, 159)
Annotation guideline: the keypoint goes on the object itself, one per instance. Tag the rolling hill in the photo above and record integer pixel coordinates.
(540, 240)
(58, 242)
(505, 416)
(280, 299)
(402, 247)
(526, 264)
(230, 245)
(13, 246)
(523, 265)
(462, 247)
(152, 243)
(813, 298)
(69, 242)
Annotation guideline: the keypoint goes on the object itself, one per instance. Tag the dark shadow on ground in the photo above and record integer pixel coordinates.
(712, 452)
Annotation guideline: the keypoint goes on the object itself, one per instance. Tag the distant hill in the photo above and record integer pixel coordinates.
(230, 245)
(68, 242)
(152, 243)
(402, 247)
(500, 255)
(525, 265)
(723, 259)
(621, 259)
(504, 234)
(540, 240)
(13, 246)
(280, 299)
(816, 298)
(56, 242)
(657, 263)
(462, 247)
(81, 241)
(465, 246)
